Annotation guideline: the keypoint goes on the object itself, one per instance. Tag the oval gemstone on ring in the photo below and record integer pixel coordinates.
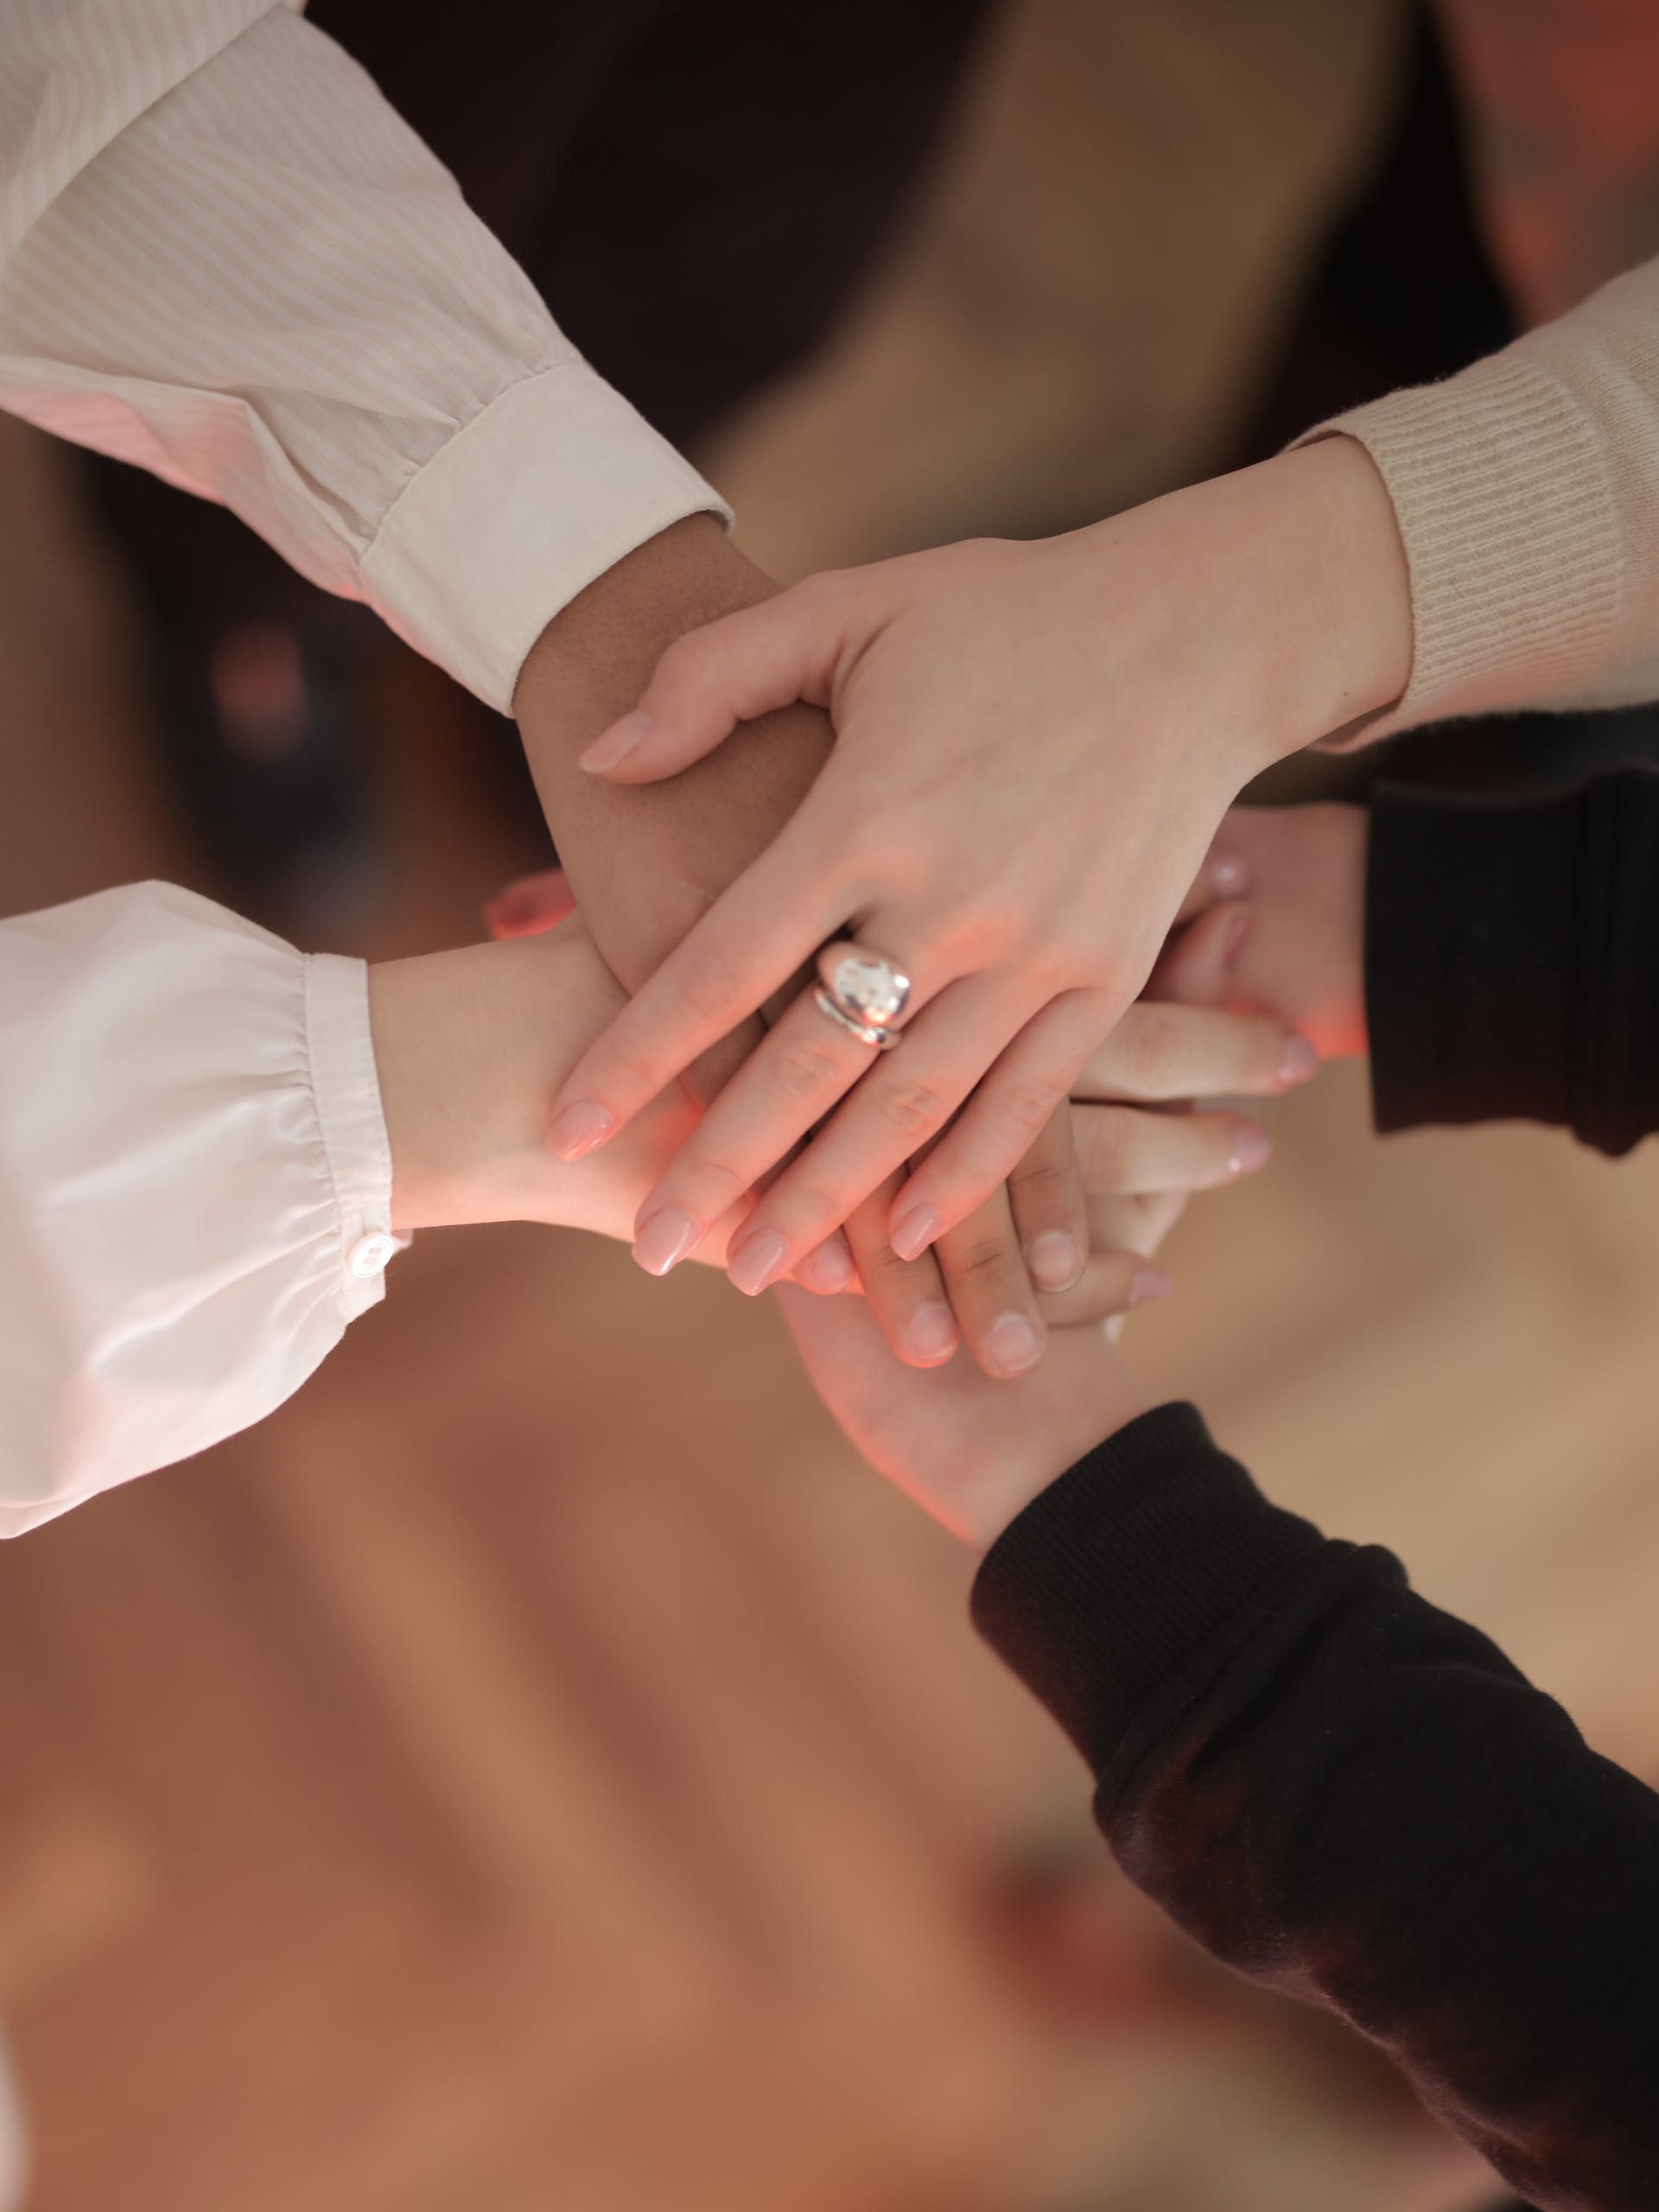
(868, 985)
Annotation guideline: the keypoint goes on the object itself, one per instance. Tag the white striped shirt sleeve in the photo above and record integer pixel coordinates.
(224, 257)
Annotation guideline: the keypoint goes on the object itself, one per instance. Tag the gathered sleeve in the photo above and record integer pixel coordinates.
(195, 1185)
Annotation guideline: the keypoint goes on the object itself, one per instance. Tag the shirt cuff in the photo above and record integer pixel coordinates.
(1120, 1577)
(1511, 536)
(346, 1086)
(556, 480)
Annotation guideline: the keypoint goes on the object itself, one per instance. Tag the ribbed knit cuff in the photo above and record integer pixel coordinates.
(1512, 959)
(1507, 513)
(1471, 911)
(1154, 1549)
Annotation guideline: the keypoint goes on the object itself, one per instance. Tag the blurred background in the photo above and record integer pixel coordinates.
(540, 1768)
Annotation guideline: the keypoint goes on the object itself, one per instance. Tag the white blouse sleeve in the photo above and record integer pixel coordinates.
(224, 258)
(195, 1185)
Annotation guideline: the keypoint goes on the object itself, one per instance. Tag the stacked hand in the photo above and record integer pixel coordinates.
(1035, 745)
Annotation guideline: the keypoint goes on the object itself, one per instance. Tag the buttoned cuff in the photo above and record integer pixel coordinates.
(346, 1086)
(553, 483)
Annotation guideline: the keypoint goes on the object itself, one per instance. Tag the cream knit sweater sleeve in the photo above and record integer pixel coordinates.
(1527, 490)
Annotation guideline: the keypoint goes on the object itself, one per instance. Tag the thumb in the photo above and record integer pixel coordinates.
(745, 665)
(1197, 965)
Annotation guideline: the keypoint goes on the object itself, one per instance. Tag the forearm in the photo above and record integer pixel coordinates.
(468, 1046)
(1512, 959)
(1351, 1796)
(645, 861)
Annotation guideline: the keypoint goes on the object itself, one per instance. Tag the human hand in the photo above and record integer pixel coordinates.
(970, 1452)
(1303, 954)
(1137, 1162)
(1153, 662)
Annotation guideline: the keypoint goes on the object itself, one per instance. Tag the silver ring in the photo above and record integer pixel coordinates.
(864, 990)
(868, 1032)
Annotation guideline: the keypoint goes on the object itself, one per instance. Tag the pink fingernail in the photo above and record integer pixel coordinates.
(1054, 1261)
(1147, 1284)
(581, 1129)
(1300, 1061)
(664, 1240)
(932, 1335)
(912, 1232)
(1251, 1147)
(1230, 875)
(1012, 1345)
(757, 1262)
(613, 744)
(831, 1267)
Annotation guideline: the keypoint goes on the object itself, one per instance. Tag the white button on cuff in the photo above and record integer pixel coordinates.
(369, 1255)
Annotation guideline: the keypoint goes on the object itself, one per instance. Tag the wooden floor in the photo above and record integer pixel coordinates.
(539, 1770)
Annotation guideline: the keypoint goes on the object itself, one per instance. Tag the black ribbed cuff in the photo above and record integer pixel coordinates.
(1512, 959)
(1110, 1583)
(1470, 911)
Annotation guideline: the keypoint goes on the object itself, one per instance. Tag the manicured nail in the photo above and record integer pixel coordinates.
(1300, 1061)
(1250, 1149)
(615, 744)
(912, 1233)
(1237, 930)
(1054, 1259)
(1149, 1283)
(829, 1268)
(1230, 875)
(664, 1239)
(581, 1129)
(1012, 1345)
(759, 1262)
(931, 1334)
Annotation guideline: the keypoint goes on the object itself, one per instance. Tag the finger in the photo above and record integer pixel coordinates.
(785, 1088)
(907, 1297)
(1024, 1086)
(829, 1271)
(1224, 875)
(1130, 1151)
(899, 1106)
(748, 944)
(1050, 1212)
(732, 671)
(531, 905)
(1197, 965)
(991, 1292)
(1113, 1282)
(1158, 1053)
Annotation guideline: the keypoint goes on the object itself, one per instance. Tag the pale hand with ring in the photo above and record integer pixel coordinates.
(1036, 743)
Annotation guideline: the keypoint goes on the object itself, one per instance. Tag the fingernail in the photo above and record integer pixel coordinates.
(581, 1129)
(664, 1239)
(1054, 1259)
(912, 1233)
(1300, 1061)
(931, 1334)
(1237, 930)
(1149, 1283)
(831, 1267)
(615, 744)
(1250, 1149)
(1012, 1345)
(1230, 875)
(757, 1262)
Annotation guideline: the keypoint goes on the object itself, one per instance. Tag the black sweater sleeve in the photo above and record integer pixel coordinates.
(1351, 1796)
(1512, 959)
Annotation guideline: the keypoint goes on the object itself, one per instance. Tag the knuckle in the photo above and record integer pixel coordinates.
(1048, 1186)
(910, 1106)
(710, 987)
(980, 1257)
(1104, 1152)
(1031, 1104)
(807, 1072)
(1152, 1049)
